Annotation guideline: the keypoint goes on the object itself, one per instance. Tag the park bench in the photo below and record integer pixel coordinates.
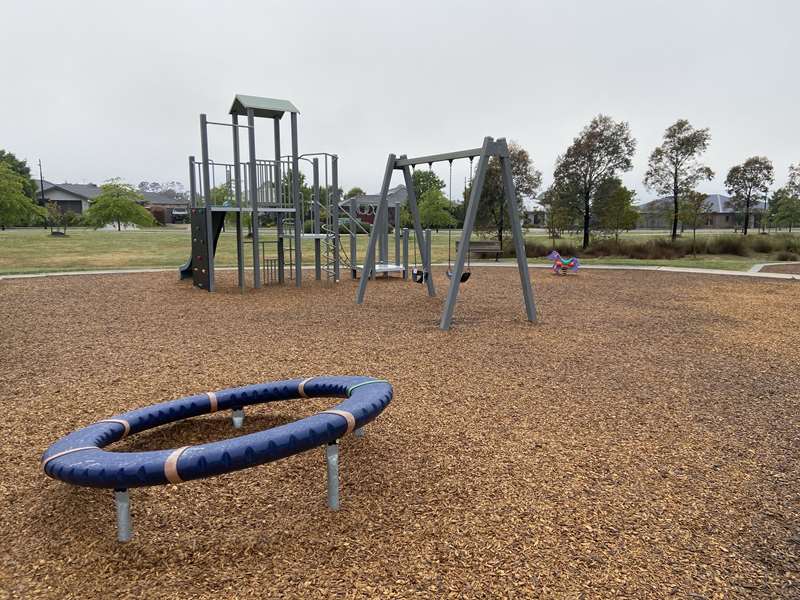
(481, 248)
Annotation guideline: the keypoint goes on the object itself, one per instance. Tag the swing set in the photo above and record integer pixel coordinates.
(459, 271)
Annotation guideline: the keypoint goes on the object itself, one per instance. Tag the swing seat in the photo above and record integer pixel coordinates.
(418, 275)
(464, 276)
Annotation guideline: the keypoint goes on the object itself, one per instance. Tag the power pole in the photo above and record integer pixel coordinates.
(41, 183)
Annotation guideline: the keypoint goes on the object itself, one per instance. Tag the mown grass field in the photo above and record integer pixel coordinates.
(35, 250)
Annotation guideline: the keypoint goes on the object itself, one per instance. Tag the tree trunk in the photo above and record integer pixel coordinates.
(675, 205)
(119, 226)
(586, 217)
(746, 216)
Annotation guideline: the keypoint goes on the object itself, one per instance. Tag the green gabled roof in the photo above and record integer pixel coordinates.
(271, 108)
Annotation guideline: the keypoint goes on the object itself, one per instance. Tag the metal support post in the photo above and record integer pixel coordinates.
(463, 247)
(315, 211)
(298, 207)
(375, 234)
(353, 242)
(516, 231)
(251, 137)
(192, 182)
(405, 253)
(207, 196)
(123, 505)
(397, 234)
(332, 459)
(418, 237)
(237, 182)
(237, 417)
(334, 213)
(278, 183)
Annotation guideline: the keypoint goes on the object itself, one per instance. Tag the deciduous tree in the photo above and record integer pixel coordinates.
(603, 149)
(693, 211)
(425, 180)
(434, 210)
(353, 192)
(746, 181)
(118, 203)
(21, 168)
(613, 207)
(15, 206)
(560, 212)
(492, 211)
(785, 207)
(674, 168)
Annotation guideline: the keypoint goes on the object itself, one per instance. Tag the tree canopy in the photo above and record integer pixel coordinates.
(603, 149)
(425, 180)
(674, 168)
(118, 203)
(746, 181)
(785, 207)
(692, 212)
(613, 207)
(21, 168)
(16, 207)
(353, 192)
(434, 210)
(492, 212)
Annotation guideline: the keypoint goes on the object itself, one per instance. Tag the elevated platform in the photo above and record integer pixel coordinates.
(261, 209)
(384, 268)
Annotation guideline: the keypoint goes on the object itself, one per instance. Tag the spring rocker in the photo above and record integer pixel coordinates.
(562, 265)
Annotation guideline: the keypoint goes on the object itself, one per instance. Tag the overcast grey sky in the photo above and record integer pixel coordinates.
(108, 89)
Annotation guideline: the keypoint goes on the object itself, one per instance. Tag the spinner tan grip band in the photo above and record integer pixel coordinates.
(351, 420)
(212, 398)
(301, 389)
(122, 422)
(171, 466)
(57, 454)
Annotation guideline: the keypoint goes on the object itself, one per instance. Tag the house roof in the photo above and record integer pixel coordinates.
(719, 203)
(397, 196)
(161, 199)
(272, 108)
(90, 191)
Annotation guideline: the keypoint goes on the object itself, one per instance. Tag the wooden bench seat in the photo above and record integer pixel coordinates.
(482, 248)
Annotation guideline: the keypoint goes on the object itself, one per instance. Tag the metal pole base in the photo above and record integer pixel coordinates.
(332, 458)
(237, 417)
(123, 504)
(360, 432)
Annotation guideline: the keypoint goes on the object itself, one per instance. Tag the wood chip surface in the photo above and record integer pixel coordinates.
(793, 268)
(641, 441)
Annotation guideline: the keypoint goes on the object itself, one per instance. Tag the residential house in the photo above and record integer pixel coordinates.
(76, 197)
(657, 214)
(367, 204)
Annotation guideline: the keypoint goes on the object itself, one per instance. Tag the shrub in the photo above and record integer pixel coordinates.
(764, 244)
(533, 249)
(786, 255)
(566, 249)
(729, 244)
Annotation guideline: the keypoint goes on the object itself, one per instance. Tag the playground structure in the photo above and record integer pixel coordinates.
(258, 189)
(79, 458)
(272, 189)
(562, 265)
(490, 148)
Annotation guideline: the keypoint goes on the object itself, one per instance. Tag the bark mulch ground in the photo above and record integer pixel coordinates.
(642, 441)
(790, 268)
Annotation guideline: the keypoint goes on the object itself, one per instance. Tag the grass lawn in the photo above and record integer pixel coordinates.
(34, 251)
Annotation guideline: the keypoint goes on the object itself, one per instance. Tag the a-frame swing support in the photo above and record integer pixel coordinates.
(490, 147)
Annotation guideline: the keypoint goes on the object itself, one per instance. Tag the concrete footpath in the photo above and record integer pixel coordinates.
(752, 273)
